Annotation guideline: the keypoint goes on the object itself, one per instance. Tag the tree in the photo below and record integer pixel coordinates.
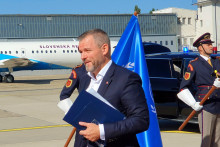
(138, 10)
(151, 12)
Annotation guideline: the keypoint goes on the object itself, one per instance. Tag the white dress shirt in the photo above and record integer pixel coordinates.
(94, 84)
(204, 57)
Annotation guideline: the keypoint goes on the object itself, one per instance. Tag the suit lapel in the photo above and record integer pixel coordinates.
(84, 82)
(107, 80)
(87, 82)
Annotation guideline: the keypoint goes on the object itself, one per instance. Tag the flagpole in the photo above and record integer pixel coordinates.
(130, 51)
(70, 137)
(135, 13)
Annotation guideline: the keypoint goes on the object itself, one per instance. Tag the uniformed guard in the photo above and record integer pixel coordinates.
(200, 72)
(71, 84)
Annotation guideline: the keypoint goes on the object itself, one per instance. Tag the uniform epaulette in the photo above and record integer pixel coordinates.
(194, 60)
(78, 66)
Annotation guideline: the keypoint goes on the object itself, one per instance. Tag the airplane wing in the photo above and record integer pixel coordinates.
(15, 62)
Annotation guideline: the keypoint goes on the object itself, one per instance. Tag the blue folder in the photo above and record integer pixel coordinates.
(88, 108)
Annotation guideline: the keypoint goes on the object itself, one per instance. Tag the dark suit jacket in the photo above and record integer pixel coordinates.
(123, 89)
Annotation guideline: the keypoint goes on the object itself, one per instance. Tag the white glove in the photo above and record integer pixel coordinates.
(186, 96)
(217, 83)
(197, 107)
(65, 105)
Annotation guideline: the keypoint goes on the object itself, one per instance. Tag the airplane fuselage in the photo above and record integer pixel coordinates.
(41, 54)
(63, 53)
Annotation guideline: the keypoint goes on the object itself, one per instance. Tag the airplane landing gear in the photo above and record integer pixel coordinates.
(1, 78)
(8, 78)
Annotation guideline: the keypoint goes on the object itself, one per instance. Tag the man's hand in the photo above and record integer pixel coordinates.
(186, 96)
(197, 107)
(217, 83)
(92, 131)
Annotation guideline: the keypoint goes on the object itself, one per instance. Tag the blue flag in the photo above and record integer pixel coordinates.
(129, 53)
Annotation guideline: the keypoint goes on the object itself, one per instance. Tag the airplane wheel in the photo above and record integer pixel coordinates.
(1, 78)
(9, 78)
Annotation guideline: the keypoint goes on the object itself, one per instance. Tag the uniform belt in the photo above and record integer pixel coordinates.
(204, 87)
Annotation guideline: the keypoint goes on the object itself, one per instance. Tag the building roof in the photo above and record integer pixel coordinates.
(69, 25)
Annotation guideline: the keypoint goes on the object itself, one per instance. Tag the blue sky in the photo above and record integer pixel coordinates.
(88, 6)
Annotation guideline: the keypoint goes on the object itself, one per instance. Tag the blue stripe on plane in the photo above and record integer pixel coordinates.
(3, 57)
(39, 65)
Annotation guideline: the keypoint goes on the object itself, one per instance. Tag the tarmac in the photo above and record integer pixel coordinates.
(29, 116)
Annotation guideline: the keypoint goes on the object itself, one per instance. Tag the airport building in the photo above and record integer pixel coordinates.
(193, 23)
(208, 19)
(156, 28)
(186, 25)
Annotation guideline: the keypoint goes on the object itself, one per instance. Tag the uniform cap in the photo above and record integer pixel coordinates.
(204, 39)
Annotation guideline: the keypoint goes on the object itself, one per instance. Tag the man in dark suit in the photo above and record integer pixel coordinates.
(121, 87)
(200, 71)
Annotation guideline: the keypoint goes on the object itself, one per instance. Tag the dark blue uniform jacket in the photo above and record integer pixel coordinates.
(201, 73)
(73, 81)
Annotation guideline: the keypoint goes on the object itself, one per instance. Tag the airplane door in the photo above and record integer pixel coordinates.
(23, 53)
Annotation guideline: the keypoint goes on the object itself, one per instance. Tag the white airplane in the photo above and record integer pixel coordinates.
(16, 55)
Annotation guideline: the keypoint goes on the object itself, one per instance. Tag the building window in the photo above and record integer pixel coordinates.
(9, 52)
(32, 52)
(54, 51)
(49, 18)
(191, 41)
(171, 42)
(50, 51)
(63, 51)
(184, 41)
(5, 52)
(16, 52)
(42, 51)
(37, 51)
(161, 43)
(179, 42)
(166, 42)
(75, 51)
(201, 23)
(155, 41)
(200, 8)
(1, 52)
(178, 20)
(184, 20)
(46, 51)
(189, 20)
